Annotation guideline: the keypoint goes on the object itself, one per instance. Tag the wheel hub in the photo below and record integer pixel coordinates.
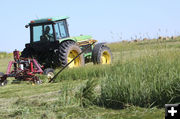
(71, 56)
(105, 58)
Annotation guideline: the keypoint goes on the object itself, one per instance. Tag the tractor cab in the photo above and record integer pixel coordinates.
(48, 30)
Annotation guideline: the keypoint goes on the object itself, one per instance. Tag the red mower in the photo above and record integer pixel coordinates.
(24, 69)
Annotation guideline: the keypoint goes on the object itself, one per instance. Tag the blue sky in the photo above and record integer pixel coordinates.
(105, 20)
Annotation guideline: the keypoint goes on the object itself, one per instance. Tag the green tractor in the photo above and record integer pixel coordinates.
(51, 44)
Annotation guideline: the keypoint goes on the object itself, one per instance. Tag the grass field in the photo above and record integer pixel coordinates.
(143, 77)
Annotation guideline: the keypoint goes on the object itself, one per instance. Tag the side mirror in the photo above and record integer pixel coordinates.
(26, 26)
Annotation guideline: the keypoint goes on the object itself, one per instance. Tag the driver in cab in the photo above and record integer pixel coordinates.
(47, 36)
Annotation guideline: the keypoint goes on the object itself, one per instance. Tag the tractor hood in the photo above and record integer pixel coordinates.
(82, 38)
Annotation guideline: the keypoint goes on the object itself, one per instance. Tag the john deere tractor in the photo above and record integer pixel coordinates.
(51, 44)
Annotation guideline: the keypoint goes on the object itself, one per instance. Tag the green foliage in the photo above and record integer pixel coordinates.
(83, 73)
(87, 94)
(143, 74)
(144, 45)
(151, 79)
(5, 55)
(146, 82)
(67, 97)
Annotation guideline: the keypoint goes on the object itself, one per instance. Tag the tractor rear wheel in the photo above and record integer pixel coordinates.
(68, 50)
(102, 55)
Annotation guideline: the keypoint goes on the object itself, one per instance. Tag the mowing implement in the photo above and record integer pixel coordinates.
(24, 69)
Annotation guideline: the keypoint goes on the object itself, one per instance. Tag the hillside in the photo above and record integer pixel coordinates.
(143, 77)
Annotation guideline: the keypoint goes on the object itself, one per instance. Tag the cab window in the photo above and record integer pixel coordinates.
(37, 33)
(57, 31)
(63, 29)
(43, 33)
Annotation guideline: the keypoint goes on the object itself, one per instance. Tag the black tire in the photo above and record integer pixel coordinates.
(2, 82)
(64, 51)
(49, 72)
(99, 51)
(26, 53)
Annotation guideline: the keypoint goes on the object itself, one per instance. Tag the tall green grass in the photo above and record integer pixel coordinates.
(146, 82)
(152, 79)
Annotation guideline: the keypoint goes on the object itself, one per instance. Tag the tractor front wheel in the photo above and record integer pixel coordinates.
(49, 72)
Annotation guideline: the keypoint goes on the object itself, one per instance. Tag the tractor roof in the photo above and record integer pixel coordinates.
(49, 19)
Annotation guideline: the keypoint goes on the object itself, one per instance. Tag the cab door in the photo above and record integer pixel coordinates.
(61, 30)
(43, 37)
